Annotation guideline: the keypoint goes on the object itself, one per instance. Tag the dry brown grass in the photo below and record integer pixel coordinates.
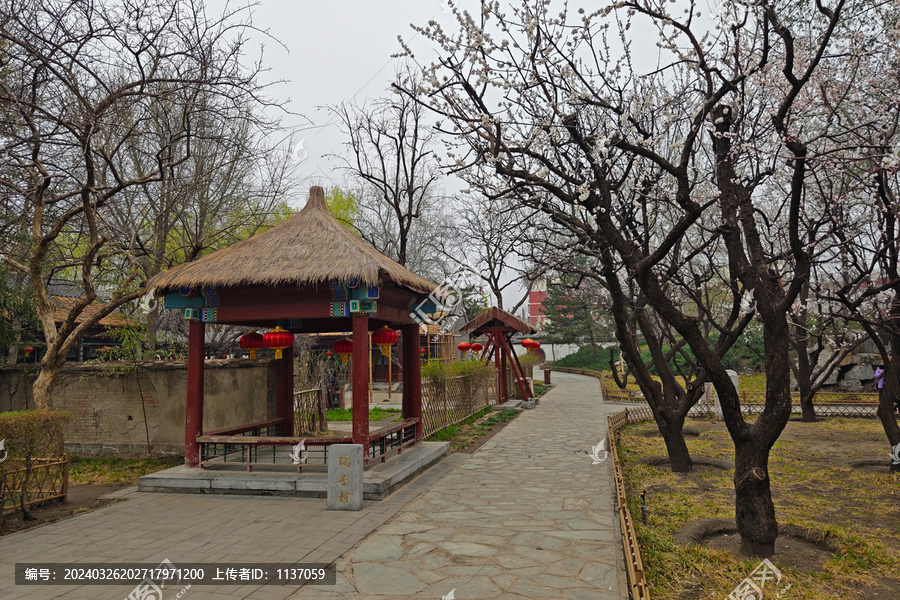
(813, 487)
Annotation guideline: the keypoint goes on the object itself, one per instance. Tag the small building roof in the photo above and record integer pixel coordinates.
(309, 248)
(62, 305)
(494, 317)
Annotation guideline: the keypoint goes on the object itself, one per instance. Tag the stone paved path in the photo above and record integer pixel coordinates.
(527, 516)
(184, 528)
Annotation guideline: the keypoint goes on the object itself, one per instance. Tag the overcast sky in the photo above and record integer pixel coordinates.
(341, 51)
(335, 51)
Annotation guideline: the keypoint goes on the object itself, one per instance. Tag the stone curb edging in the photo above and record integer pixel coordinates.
(633, 565)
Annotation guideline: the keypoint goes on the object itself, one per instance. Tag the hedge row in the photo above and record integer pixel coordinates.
(30, 434)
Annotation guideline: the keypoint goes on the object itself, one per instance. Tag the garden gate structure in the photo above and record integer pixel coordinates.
(499, 327)
(310, 274)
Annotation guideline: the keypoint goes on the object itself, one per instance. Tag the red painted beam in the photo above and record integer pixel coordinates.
(273, 295)
(392, 314)
(360, 379)
(268, 312)
(193, 406)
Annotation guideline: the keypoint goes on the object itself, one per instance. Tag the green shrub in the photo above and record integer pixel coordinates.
(585, 359)
(435, 369)
(528, 360)
(31, 434)
(27, 435)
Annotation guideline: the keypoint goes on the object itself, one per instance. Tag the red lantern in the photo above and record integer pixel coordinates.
(344, 347)
(328, 354)
(251, 341)
(531, 345)
(422, 351)
(28, 350)
(476, 347)
(278, 339)
(464, 347)
(384, 338)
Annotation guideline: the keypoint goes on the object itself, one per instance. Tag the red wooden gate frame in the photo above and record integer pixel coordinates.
(500, 342)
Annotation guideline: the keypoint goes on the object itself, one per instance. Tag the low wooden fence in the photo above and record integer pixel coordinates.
(310, 411)
(633, 564)
(46, 479)
(827, 404)
(446, 402)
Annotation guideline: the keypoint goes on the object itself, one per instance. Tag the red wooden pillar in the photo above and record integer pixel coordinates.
(504, 390)
(360, 378)
(284, 392)
(412, 376)
(193, 406)
(495, 338)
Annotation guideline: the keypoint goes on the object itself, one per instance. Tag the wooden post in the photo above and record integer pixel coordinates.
(496, 342)
(519, 374)
(193, 409)
(360, 378)
(284, 392)
(504, 390)
(412, 376)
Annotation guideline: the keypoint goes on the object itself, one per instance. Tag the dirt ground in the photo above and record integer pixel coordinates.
(80, 498)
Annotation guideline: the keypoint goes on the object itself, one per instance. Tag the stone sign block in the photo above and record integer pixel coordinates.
(345, 477)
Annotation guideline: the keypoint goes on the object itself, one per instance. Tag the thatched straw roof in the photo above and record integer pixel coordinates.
(496, 317)
(309, 248)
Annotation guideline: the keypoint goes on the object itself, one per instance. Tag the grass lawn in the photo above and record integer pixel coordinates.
(116, 470)
(375, 414)
(814, 488)
(473, 431)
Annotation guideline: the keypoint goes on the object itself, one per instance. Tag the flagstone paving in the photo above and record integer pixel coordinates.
(527, 516)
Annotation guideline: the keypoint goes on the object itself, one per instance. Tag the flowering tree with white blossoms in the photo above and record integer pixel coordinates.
(689, 167)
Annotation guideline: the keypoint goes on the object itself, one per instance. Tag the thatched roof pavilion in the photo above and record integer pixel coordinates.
(499, 326)
(495, 317)
(310, 248)
(310, 274)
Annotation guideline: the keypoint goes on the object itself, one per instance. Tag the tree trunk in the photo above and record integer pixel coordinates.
(676, 447)
(807, 408)
(42, 392)
(754, 509)
(152, 328)
(887, 399)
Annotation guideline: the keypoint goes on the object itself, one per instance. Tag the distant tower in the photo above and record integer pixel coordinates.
(536, 298)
